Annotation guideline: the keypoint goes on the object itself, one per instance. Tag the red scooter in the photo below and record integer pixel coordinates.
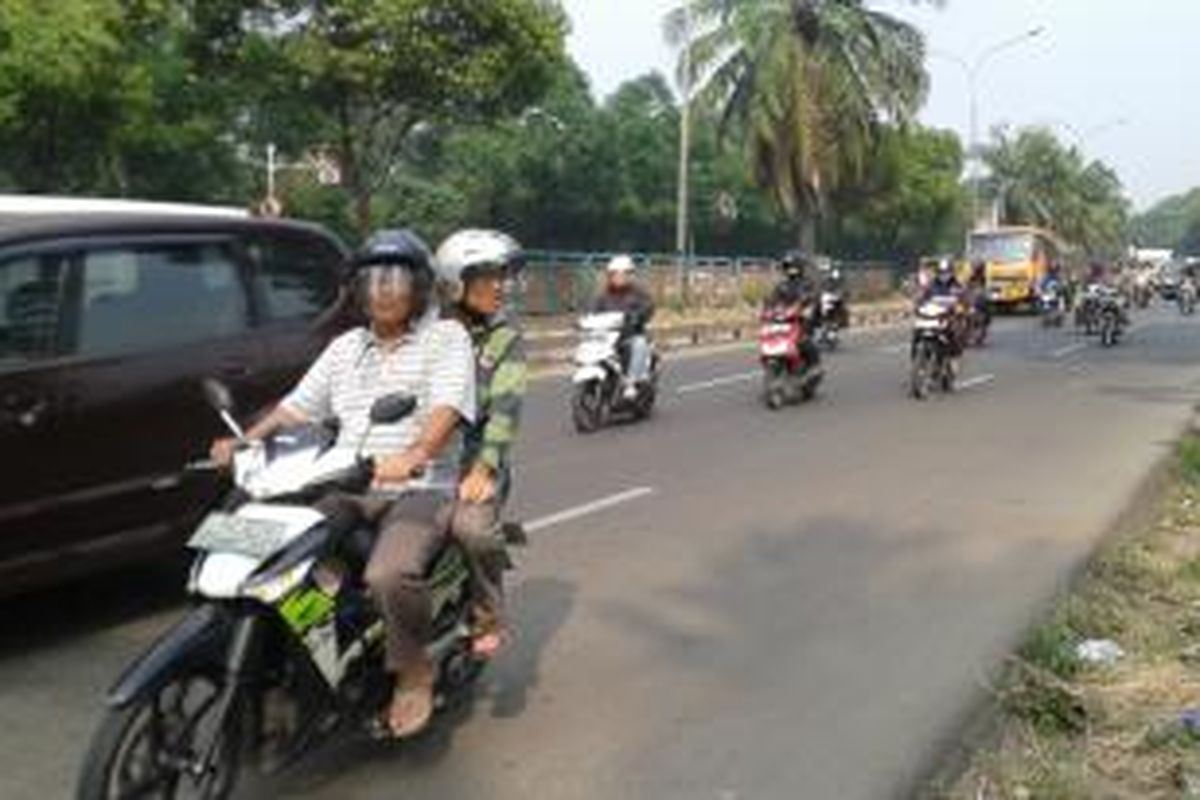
(789, 375)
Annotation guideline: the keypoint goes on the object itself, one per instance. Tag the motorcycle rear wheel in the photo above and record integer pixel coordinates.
(148, 747)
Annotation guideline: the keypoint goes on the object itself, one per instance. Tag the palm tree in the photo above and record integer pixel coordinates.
(805, 84)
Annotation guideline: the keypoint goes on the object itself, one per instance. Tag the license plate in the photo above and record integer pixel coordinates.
(775, 348)
(228, 533)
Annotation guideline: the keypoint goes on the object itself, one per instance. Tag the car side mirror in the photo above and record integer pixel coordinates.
(218, 395)
(392, 408)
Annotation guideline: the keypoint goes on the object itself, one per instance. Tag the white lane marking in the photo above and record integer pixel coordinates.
(741, 377)
(575, 512)
(976, 381)
(1063, 352)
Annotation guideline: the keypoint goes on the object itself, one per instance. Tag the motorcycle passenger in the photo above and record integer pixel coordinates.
(403, 347)
(622, 293)
(473, 268)
(796, 292)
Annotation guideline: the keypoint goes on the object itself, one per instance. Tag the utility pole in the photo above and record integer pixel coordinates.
(685, 142)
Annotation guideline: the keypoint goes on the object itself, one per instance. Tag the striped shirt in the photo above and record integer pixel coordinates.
(434, 363)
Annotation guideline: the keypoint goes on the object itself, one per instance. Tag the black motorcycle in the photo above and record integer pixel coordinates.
(933, 347)
(283, 646)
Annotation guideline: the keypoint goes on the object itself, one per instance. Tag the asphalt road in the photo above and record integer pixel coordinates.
(724, 602)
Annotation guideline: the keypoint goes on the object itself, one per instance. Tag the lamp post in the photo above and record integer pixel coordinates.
(973, 70)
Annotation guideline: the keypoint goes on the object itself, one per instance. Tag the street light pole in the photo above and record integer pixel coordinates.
(973, 71)
(685, 136)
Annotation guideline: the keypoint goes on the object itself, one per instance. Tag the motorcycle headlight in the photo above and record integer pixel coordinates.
(274, 586)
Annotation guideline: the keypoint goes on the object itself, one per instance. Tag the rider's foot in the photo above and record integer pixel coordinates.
(490, 633)
(412, 703)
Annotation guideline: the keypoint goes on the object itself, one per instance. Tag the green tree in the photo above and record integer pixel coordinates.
(379, 68)
(1038, 181)
(808, 83)
(912, 202)
(1168, 221)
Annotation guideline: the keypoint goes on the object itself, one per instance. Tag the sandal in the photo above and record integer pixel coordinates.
(416, 709)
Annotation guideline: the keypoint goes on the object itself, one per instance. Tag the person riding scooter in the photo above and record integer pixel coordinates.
(945, 286)
(796, 291)
(623, 294)
(473, 267)
(402, 348)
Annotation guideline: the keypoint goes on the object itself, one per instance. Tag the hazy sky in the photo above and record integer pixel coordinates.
(1117, 74)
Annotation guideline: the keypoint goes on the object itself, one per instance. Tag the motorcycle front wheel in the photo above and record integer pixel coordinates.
(587, 407)
(152, 747)
(775, 386)
(921, 377)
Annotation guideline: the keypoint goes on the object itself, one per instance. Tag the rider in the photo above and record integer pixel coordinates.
(945, 284)
(796, 292)
(833, 282)
(473, 267)
(622, 293)
(976, 291)
(404, 347)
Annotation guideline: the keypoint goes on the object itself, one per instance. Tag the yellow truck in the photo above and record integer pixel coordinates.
(1016, 259)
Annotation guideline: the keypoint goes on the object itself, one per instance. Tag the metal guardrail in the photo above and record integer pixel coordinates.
(566, 282)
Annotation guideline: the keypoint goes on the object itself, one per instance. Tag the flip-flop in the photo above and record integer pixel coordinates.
(420, 702)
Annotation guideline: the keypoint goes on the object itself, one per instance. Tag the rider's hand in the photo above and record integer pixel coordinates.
(479, 486)
(221, 452)
(397, 468)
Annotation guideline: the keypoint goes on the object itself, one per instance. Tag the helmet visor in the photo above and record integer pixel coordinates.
(385, 279)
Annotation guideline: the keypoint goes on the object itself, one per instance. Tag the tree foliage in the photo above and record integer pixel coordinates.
(1037, 180)
(807, 83)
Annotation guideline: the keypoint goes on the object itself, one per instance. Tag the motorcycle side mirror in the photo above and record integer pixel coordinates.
(218, 395)
(221, 400)
(392, 408)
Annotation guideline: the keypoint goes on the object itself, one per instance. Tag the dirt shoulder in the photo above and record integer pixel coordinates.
(1103, 698)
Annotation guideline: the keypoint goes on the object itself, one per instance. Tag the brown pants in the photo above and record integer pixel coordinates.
(411, 527)
(474, 526)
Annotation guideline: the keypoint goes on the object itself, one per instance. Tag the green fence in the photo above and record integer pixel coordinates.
(565, 283)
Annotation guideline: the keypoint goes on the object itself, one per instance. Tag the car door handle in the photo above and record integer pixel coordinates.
(25, 412)
(234, 369)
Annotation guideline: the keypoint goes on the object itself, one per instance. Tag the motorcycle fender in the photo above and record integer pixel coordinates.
(204, 633)
(588, 374)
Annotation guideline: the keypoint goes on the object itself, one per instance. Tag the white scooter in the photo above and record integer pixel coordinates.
(599, 381)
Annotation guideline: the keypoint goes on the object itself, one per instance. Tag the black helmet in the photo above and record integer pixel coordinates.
(794, 262)
(396, 248)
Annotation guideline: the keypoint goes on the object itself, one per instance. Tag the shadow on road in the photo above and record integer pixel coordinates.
(46, 617)
(539, 607)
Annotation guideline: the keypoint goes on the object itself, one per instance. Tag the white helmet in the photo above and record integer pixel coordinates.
(472, 250)
(620, 264)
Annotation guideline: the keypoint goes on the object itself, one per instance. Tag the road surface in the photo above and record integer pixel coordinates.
(723, 603)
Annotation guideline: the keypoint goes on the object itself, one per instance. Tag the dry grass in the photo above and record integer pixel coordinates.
(1070, 730)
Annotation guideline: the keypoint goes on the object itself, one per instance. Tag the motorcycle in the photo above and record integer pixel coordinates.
(828, 332)
(979, 322)
(788, 376)
(1087, 313)
(933, 345)
(1051, 306)
(599, 380)
(1110, 315)
(1187, 297)
(283, 646)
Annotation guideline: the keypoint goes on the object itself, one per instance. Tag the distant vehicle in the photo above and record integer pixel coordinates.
(1016, 259)
(108, 324)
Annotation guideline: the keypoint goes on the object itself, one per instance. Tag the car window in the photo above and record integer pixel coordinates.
(295, 278)
(145, 298)
(31, 307)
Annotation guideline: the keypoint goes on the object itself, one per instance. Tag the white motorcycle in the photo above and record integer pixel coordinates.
(283, 646)
(828, 333)
(599, 380)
